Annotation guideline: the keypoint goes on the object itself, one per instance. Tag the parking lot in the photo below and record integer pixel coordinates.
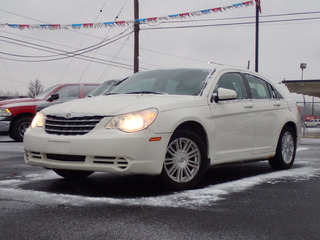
(244, 201)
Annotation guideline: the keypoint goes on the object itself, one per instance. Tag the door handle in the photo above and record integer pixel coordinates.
(277, 104)
(248, 105)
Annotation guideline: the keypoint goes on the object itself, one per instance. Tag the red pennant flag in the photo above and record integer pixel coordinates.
(258, 5)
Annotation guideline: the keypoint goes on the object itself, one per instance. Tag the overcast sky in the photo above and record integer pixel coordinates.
(283, 45)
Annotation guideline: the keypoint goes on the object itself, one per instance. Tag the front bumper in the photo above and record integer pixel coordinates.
(5, 124)
(100, 150)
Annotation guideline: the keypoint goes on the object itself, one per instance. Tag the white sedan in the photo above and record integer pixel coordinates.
(175, 123)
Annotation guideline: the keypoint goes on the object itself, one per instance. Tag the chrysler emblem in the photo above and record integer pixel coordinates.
(68, 115)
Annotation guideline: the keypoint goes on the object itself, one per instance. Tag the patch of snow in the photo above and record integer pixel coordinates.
(186, 199)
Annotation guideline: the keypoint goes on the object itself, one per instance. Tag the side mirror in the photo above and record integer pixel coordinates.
(224, 94)
(53, 97)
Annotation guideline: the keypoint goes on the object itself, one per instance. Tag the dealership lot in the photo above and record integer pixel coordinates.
(234, 202)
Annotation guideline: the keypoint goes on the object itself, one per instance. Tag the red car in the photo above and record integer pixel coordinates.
(17, 114)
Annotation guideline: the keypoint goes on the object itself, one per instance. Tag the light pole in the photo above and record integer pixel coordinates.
(303, 66)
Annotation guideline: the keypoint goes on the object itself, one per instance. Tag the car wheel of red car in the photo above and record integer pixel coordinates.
(19, 127)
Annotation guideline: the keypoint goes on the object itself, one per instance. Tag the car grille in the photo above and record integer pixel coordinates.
(70, 126)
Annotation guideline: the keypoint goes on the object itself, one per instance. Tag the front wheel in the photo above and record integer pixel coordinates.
(185, 161)
(72, 174)
(286, 150)
(19, 127)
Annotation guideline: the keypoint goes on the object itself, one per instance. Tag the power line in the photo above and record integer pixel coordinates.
(63, 45)
(239, 18)
(231, 24)
(73, 54)
(113, 60)
(212, 25)
(76, 52)
(5, 66)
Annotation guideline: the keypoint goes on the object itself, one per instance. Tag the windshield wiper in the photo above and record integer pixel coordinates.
(106, 94)
(145, 92)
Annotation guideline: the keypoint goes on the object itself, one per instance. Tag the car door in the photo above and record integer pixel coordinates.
(267, 108)
(232, 123)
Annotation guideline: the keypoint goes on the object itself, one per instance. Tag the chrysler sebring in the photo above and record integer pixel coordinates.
(175, 123)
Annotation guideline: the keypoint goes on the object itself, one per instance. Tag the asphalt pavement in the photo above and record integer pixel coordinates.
(243, 201)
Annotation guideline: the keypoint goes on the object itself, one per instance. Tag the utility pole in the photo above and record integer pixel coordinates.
(258, 9)
(136, 37)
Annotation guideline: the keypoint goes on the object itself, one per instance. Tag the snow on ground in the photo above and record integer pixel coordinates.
(9, 190)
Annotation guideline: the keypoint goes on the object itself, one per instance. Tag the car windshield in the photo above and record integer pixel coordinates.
(174, 82)
(45, 92)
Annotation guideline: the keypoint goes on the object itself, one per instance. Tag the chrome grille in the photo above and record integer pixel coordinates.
(71, 126)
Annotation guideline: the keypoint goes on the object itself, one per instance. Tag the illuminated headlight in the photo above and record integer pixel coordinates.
(38, 120)
(133, 122)
(5, 112)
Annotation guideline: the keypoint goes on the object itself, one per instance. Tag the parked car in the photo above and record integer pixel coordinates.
(313, 123)
(104, 88)
(173, 123)
(17, 114)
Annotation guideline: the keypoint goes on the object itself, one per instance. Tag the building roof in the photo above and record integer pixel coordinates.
(307, 87)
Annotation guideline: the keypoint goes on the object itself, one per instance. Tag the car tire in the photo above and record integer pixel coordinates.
(19, 127)
(185, 161)
(72, 174)
(286, 150)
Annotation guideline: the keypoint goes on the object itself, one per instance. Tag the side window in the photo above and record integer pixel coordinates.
(271, 90)
(234, 82)
(259, 88)
(68, 92)
(88, 89)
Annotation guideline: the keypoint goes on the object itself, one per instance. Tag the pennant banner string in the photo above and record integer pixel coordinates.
(129, 22)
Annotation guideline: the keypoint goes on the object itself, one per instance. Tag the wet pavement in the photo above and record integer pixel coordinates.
(243, 201)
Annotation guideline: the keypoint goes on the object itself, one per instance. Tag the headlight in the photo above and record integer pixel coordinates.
(38, 120)
(133, 122)
(5, 112)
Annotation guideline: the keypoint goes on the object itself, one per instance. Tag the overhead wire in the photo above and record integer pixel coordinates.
(78, 51)
(66, 46)
(108, 67)
(86, 35)
(77, 55)
(105, 37)
(239, 18)
(213, 25)
(232, 24)
(9, 75)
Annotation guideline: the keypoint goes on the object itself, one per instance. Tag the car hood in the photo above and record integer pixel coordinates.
(17, 101)
(112, 105)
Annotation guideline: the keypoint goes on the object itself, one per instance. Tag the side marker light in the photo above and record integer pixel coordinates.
(154, 139)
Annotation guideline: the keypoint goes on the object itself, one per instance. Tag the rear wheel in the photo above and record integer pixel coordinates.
(185, 162)
(286, 150)
(72, 174)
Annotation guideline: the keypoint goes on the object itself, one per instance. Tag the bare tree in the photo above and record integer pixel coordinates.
(35, 87)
